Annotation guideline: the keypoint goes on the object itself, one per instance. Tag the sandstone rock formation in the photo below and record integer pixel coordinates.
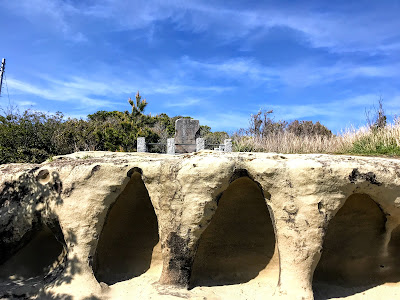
(206, 225)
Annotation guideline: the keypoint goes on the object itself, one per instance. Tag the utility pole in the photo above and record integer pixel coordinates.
(3, 66)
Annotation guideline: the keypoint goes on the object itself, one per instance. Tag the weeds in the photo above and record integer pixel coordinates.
(376, 138)
(379, 141)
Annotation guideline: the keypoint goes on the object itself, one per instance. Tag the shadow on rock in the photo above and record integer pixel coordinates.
(33, 248)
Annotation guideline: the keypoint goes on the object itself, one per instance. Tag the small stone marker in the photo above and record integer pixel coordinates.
(186, 132)
(171, 146)
(200, 144)
(141, 144)
(228, 145)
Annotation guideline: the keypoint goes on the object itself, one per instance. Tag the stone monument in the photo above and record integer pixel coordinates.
(186, 132)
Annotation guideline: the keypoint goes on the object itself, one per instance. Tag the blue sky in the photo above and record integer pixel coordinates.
(217, 62)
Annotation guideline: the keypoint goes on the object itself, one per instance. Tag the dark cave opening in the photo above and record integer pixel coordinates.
(239, 242)
(129, 235)
(353, 256)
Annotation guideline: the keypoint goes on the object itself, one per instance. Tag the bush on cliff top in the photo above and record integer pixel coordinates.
(34, 136)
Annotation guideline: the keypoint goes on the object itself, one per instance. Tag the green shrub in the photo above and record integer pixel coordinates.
(377, 141)
(27, 137)
(36, 136)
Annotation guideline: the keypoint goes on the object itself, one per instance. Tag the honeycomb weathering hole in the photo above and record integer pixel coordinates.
(129, 235)
(43, 176)
(239, 243)
(353, 256)
(36, 259)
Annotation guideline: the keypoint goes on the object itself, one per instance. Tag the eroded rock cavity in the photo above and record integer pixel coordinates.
(129, 235)
(353, 257)
(38, 262)
(239, 243)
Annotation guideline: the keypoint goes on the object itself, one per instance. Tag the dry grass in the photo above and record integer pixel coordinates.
(384, 141)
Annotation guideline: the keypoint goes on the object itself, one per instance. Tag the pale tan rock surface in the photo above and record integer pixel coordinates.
(207, 225)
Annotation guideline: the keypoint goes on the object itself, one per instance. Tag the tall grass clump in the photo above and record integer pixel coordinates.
(266, 135)
(378, 141)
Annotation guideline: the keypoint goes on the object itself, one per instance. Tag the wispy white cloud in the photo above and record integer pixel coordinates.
(58, 92)
(94, 93)
(302, 74)
(155, 87)
(309, 73)
(235, 67)
(340, 30)
(370, 28)
(50, 15)
(339, 108)
(25, 104)
(228, 121)
(184, 103)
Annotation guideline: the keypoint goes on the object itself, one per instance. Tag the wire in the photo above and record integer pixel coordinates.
(5, 79)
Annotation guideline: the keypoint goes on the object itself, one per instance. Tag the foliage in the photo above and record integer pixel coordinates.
(138, 106)
(212, 138)
(36, 136)
(27, 137)
(266, 135)
(261, 125)
(307, 128)
(378, 141)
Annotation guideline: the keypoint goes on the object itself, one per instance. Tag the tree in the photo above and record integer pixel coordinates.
(27, 137)
(308, 128)
(139, 106)
(261, 125)
(379, 119)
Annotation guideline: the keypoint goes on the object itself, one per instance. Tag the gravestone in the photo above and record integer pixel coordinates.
(186, 132)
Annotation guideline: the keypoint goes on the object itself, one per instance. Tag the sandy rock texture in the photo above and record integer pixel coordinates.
(205, 225)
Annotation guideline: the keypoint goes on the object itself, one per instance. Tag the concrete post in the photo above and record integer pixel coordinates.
(171, 146)
(228, 145)
(200, 144)
(141, 144)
